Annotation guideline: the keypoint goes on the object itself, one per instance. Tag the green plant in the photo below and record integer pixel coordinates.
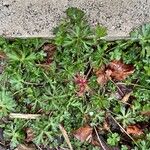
(143, 35)
(113, 139)
(76, 79)
(142, 145)
(125, 117)
(14, 132)
(123, 147)
(7, 103)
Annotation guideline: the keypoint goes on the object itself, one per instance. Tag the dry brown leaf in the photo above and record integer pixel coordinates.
(115, 69)
(102, 77)
(95, 142)
(29, 135)
(120, 70)
(122, 90)
(106, 126)
(134, 129)
(146, 113)
(2, 55)
(126, 97)
(25, 147)
(86, 133)
(83, 133)
(49, 49)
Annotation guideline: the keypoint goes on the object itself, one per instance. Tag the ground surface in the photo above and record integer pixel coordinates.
(37, 18)
(76, 91)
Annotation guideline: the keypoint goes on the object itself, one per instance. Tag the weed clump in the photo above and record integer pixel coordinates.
(97, 91)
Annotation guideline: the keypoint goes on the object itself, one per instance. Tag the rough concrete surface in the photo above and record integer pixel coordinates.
(29, 18)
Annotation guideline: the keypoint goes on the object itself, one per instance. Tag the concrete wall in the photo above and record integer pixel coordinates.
(28, 18)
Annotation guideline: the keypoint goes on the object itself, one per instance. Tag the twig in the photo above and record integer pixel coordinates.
(43, 65)
(116, 86)
(100, 142)
(39, 148)
(123, 129)
(18, 91)
(32, 83)
(88, 73)
(119, 91)
(24, 116)
(134, 84)
(3, 144)
(65, 136)
(64, 148)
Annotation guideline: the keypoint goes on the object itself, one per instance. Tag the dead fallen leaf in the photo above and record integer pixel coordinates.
(2, 55)
(26, 147)
(146, 113)
(106, 126)
(123, 90)
(49, 49)
(120, 70)
(116, 69)
(95, 143)
(126, 97)
(29, 135)
(83, 133)
(112, 125)
(86, 133)
(102, 77)
(134, 129)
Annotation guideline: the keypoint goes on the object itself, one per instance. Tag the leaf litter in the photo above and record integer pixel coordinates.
(116, 70)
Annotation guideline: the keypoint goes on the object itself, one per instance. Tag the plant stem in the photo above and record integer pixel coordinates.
(100, 142)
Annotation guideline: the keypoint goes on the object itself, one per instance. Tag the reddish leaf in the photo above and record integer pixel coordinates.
(81, 82)
(134, 129)
(120, 70)
(83, 133)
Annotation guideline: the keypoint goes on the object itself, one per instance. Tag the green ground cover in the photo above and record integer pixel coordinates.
(97, 91)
